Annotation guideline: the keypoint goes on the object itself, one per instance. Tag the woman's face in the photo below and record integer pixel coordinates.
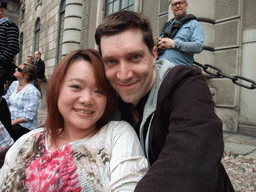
(80, 102)
(19, 74)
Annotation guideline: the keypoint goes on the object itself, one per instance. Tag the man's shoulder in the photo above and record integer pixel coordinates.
(180, 73)
(9, 24)
(192, 22)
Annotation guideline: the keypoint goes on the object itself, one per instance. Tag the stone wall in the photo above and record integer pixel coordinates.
(229, 44)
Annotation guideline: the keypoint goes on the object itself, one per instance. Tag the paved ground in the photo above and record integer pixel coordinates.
(240, 161)
(239, 158)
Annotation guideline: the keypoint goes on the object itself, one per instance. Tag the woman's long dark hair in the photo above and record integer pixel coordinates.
(54, 121)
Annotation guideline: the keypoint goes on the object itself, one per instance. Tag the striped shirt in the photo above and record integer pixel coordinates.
(9, 40)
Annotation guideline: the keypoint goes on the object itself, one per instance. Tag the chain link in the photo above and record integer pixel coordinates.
(216, 72)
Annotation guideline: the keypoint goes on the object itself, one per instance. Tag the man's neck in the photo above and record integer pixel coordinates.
(179, 18)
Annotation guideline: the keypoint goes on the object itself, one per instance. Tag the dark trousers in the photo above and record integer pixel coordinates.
(2, 82)
(5, 116)
(16, 131)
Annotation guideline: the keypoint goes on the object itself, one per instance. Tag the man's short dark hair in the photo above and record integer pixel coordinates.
(124, 20)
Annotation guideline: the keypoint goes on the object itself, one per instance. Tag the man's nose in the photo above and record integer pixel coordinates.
(124, 73)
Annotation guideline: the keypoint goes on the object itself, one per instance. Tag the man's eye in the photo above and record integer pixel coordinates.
(136, 57)
(109, 62)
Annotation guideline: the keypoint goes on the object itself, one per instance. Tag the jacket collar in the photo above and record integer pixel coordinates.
(3, 20)
(162, 67)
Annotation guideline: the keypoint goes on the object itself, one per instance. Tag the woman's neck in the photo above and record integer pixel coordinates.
(22, 84)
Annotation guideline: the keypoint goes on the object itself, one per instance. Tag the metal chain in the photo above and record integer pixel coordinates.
(219, 74)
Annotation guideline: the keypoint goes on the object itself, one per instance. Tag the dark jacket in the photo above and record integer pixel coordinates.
(184, 144)
(40, 67)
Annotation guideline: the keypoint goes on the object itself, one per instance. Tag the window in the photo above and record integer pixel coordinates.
(113, 6)
(21, 48)
(37, 32)
(23, 14)
(4, 5)
(61, 27)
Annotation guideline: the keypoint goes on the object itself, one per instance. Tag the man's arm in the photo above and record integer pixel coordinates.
(12, 38)
(196, 43)
(194, 143)
(193, 46)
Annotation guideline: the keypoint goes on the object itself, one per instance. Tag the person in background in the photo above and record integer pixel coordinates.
(9, 47)
(170, 108)
(78, 149)
(30, 60)
(40, 66)
(23, 99)
(181, 37)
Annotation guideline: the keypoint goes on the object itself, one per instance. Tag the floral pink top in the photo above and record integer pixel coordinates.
(111, 160)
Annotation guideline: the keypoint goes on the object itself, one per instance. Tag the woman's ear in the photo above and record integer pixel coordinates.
(26, 76)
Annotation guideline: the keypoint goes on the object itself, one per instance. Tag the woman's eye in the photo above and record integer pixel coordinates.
(99, 92)
(75, 86)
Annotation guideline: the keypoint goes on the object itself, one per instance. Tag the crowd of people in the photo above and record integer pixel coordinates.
(133, 116)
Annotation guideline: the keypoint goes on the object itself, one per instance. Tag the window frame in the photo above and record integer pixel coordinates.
(37, 34)
(120, 6)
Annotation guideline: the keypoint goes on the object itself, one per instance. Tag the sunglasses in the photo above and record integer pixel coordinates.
(19, 69)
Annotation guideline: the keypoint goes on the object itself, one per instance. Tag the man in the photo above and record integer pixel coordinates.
(40, 66)
(170, 107)
(30, 60)
(181, 37)
(9, 47)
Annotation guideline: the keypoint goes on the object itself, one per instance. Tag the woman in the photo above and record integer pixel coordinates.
(23, 97)
(78, 149)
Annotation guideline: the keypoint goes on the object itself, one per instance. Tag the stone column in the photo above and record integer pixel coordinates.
(72, 26)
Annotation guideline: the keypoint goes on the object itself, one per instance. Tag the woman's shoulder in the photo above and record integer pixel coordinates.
(14, 84)
(119, 125)
(114, 128)
(32, 89)
(24, 138)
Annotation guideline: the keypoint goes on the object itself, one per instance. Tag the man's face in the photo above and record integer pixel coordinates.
(29, 60)
(179, 8)
(37, 55)
(1, 13)
(129, 64)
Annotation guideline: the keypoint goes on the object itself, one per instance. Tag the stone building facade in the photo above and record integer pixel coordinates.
(57, 27)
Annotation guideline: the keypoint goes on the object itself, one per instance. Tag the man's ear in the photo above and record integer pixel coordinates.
(154, 53)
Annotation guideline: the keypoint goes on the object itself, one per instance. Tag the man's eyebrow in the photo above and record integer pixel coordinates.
(140, 52)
